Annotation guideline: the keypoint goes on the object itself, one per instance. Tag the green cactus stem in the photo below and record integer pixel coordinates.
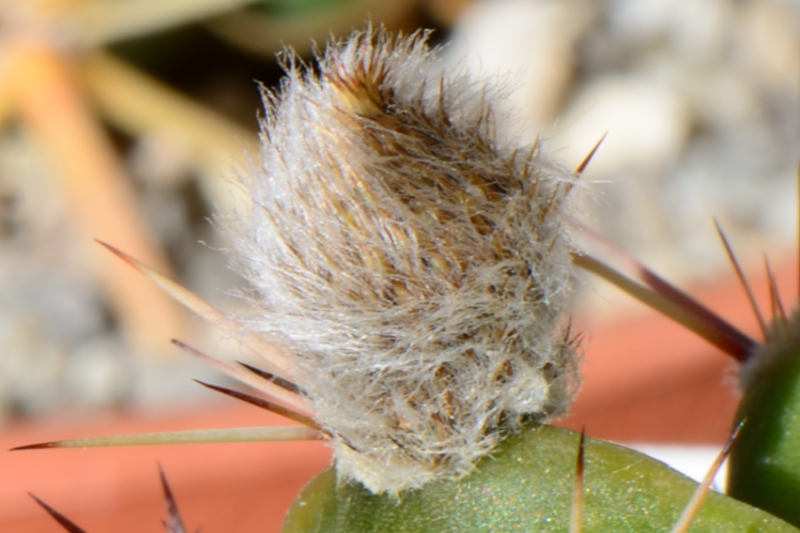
(526, 485)
(764, 465)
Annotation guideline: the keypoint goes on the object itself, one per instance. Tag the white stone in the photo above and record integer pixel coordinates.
(531, 44)
(647, 124)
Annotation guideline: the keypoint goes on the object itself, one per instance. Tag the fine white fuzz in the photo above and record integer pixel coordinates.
(783, 337)
(412, 264)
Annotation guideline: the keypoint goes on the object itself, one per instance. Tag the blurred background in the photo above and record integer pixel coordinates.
(128, 121)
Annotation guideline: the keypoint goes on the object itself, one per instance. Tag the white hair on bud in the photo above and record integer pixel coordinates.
(412, 264)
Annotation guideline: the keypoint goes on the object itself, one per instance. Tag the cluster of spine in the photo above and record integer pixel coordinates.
(411, 263)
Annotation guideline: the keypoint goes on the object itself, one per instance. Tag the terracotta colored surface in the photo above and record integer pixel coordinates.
(646, 380)
(649, 379)
(221, 487)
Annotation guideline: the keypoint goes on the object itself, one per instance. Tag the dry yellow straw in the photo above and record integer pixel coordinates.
(45, 94)
(103, 21)
(141, 105)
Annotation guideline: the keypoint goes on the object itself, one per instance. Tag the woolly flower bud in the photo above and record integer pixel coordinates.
(411, 264)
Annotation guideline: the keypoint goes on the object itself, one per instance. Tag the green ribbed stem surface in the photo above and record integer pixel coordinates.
(764, 466)
(526, 486)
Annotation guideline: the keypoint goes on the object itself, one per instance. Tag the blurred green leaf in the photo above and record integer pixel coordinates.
(297, 7)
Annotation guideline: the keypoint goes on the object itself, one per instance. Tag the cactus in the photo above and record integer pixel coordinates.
(764, 468)
(527, 486)
(411, 268)
(765, 461)
(173, 524)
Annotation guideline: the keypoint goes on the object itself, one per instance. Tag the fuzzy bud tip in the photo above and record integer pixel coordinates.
(411, 261)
